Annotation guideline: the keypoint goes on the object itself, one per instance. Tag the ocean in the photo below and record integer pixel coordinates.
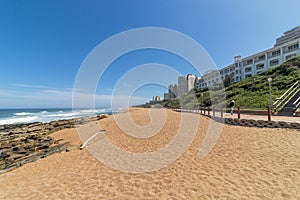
(16, 116)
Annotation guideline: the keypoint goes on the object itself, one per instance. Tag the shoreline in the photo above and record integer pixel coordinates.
(27, 116)
(24, 143)
(246, 162)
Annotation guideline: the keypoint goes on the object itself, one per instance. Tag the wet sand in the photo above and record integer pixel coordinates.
(245, 163)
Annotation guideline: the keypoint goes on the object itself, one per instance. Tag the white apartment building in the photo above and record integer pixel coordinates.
(156, 99)
(186, 84)
(191, 80)
(285, 47)
(209, 78)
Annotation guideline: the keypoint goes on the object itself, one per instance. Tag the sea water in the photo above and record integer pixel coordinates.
(15, 116)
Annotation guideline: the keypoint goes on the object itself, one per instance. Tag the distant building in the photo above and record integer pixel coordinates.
(191, 80)
(182, 85)
(285, 47)
(156, 99)
(166, 96)
(209, 78)
(173, 91)
(186, 84)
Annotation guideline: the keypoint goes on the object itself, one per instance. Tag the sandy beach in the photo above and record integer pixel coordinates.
(245, 163)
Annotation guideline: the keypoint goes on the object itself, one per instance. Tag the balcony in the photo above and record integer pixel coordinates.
(291, 48)
(260, 58)
(274, 53)
(274, 62)
(248, 69)
(248, 62)
(260, 67)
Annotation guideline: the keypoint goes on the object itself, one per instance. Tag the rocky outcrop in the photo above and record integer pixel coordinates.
(23, 143)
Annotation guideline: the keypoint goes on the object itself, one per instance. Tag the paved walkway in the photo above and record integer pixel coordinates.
(264, 117)
(256, 117)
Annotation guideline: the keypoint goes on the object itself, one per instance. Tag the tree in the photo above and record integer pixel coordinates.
(227, 80)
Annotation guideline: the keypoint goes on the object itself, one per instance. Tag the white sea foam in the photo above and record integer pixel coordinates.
(23, 113)
(49, 115)
(19, 120)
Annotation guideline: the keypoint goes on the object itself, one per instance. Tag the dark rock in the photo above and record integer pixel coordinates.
(3, 134)
(44, 146)
(23, 143)
(30, 141)
(5, 145)
(15, 157)
(4, 154)
(13, 144)
(33, 136)
(15, 149)
(21, 151)
(34, 124)
(17, 131)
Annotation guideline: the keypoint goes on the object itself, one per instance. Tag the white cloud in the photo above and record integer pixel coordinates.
(109, 89)
(29, 86)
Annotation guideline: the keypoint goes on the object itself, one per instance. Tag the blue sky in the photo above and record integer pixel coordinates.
(43, 43)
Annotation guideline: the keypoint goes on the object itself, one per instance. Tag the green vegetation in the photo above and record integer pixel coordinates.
(251, 93)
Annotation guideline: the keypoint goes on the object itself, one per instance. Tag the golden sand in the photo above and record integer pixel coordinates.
(246, 163)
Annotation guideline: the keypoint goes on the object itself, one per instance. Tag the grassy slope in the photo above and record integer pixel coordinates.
(252, 92)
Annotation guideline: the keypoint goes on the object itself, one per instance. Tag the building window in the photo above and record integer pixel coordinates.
(260, 66)
(293, 47)
(248, 69)
(274, 62)
(248, 62)
(276, 53)
(248, 75)
(262, 57)
(289, 56)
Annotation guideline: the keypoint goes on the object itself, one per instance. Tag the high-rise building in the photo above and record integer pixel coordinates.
(191, 79)
(156, 99)
(173, 91)
(166, 96)
(186, 83)
(182, 85)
